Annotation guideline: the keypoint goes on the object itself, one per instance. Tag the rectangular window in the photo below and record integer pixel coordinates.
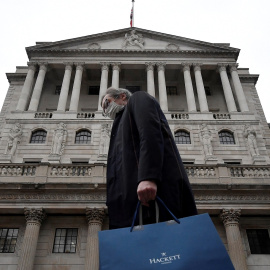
(171, 90)
(57, 90)
(259, 241)
(8, 240)
(133, 89)
(207, 91)
(65, 240)
(93, 90)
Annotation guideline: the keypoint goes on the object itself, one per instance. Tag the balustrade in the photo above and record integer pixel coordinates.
(85, 115)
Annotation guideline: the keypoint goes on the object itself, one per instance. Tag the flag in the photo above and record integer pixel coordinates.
(131, 17)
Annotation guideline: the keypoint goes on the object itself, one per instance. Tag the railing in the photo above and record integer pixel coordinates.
(249, 172)
(200, 171)
(71, 170)
(179, 116)
(17, 170)
(86, 115)
(43, 115)
(222, 116)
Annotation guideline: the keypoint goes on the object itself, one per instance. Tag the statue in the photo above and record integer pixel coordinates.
(206, 139)
(104, 140)
(59, 140)
(14, 139)
(133, 40)
(251, 141)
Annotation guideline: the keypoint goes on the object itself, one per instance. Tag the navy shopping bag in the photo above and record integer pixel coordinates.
(191, 245)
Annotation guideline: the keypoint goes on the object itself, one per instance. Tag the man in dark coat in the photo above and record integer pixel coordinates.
(143, 160)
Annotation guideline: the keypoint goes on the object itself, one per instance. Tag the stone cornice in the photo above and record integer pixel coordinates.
(17, 77)
(250, 78)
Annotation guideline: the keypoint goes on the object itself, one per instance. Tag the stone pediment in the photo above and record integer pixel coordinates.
(132, 39)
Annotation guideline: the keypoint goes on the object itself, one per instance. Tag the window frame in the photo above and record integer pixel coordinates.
(229, 132)
(183, 131)
(5, 240)
(35, 131)
(251, 246)
(83, 130)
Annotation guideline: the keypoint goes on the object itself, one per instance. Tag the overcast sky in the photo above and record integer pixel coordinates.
(244, 24)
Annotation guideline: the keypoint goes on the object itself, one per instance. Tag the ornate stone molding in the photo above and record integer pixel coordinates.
(68, 65)
(79, 65)
(172, 47)
(95, 215)
(222, 67)
(32, 65)
(105, 66)
(43, 66)
(34, 215)
(150, 66)
(94, 46)
(161, 66)
(233, 67)
(197, 66)
(186, 66)
(230, 216)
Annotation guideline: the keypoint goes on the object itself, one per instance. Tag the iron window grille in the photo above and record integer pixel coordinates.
(171, 90)
(259, 241)
(182, 137)
(38, 136)
(8, 240)
(65, 240)
(57, 90)
(226, 137)
(83, 136)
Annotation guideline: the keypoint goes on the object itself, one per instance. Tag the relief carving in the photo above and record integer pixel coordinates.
(133, 39)
(59, 140)
(251, 140)
(14, 138)
(206, 140)
(104, 140)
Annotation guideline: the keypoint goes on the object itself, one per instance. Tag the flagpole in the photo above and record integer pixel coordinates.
(133, 13)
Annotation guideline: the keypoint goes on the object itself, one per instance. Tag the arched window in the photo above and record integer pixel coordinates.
(83, 136)
(182, 137)
(38, 136)
(226, 137)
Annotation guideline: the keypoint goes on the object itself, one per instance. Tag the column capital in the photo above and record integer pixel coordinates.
(186, 66)
(34, 215)
(222, 66)
(233, 67)
(197, 66)
(43, 65)
(150, 65)
(68, 64)
(105, 66)
(230, 216)
(79, 65)
(95, 215)
(32, 65)
(161, 66)
(116, 66)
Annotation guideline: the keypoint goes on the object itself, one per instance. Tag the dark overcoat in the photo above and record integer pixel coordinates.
(142, 148)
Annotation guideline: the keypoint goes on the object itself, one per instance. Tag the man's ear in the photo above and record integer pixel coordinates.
(123, 96)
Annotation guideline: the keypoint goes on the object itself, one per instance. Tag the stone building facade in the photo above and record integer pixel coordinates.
(54, 143)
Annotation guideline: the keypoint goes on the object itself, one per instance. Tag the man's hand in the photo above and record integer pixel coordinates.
(147, 191)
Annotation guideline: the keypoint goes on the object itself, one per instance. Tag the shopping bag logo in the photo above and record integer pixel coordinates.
(164, 259)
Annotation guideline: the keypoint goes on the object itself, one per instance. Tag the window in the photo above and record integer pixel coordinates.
(8, 240)
(226, 137)
(57, 90)
(171, 90)
(83, 136)
(93, 90)
(182, 137)
(207, 91)
(133, 89)
(65, 241)
(38, 136)
(259, 241)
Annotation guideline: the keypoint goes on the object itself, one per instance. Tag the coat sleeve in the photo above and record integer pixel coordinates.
(145, 112)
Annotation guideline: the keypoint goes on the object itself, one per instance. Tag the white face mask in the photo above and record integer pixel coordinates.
(113, 109)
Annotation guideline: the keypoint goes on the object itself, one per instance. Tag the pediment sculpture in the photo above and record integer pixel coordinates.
(133, 39)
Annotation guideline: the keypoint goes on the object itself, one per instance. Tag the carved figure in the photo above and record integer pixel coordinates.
(59, 140)
(251, 140)
(14, 139)
(206, 139)
(133, 39)
(104, 140)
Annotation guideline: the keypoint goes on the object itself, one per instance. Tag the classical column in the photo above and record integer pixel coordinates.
(65, 88)
(189, 88)
(162, 86)
(115, 75)
(34, 218)
(75, 96)
(150, 78)
(38, 87)
(230, 218)
(238, 88)
(95, 219)
(27, 87)
(200, 88)
(227, 88)
(103, 82)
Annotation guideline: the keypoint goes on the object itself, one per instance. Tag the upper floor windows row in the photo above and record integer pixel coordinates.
(83, 136)
(183, 137)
